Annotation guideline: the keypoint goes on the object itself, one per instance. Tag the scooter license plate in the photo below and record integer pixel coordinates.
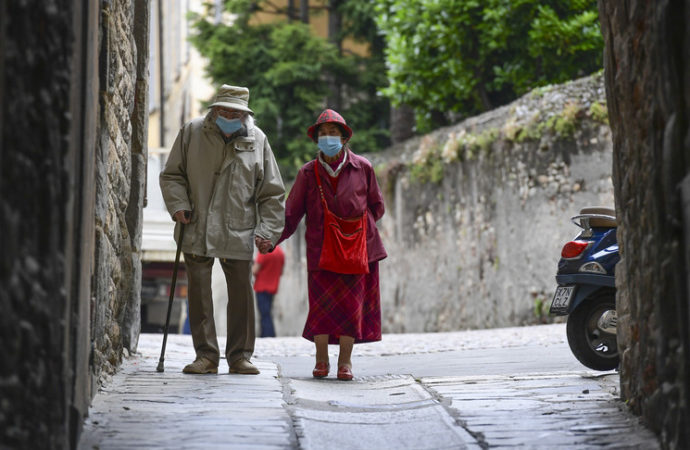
(561, 299)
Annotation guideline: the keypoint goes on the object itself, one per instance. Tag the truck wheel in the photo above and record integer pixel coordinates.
(592, 346)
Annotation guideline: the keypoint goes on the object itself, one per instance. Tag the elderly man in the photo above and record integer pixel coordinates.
(221, 180)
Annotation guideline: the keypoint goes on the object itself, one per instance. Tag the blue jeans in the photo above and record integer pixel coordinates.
(265, 301)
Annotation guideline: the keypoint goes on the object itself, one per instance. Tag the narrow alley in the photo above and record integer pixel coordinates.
(511, 387)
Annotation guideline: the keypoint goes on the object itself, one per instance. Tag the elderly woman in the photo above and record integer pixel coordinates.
(338, 188)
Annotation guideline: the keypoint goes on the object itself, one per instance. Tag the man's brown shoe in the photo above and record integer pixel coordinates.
(201, 366)
(244, 367)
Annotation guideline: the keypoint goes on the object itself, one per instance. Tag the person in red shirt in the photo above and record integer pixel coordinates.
(267, 270)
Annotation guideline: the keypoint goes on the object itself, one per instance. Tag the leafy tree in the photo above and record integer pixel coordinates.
(470, 56)
(364, 108)
(288, 70)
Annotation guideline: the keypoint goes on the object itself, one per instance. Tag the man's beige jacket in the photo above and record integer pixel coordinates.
(234, 190)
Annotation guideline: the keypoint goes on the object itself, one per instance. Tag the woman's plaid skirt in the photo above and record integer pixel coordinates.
(344, 305)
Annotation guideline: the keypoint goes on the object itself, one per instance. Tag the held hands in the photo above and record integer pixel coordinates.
(182, 216)
(264, 245)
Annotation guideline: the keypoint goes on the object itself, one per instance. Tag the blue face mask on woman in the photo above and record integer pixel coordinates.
(228, 126)
(330, 145)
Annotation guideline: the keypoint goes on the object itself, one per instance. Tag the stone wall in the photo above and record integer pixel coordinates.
(647, 75)
(35, 95)
(120, 181)
(477, 214)
(72, 134)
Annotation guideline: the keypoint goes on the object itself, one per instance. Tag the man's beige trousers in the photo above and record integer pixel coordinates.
(241, 334)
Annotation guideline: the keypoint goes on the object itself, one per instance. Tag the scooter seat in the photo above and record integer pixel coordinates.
(600, 216)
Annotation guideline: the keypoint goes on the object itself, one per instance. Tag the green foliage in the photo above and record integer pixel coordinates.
(359, 22)
(532, 131)
(541, 308)
(486, 139)
(466, 146)
(427, 163)
(599, 112)
(430, 171)
(282, 65)
(387, 173)
(564, 124)
(289, 71)
(469, 56)
(429, 160)
(540, 91)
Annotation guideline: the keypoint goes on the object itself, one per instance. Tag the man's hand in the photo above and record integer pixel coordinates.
(182, 216)
(264, 245)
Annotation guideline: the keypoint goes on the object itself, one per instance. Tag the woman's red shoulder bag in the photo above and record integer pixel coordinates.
(344, 248)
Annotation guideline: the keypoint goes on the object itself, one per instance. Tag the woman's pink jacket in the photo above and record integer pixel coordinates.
(357, 190)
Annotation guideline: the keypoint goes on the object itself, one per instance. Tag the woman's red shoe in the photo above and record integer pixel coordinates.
(321, 369)
(345, 373)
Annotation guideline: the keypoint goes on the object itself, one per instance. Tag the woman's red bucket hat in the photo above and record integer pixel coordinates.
(329, 116)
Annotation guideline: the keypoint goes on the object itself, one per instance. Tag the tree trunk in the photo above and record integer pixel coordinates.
(334, 99)
(334, 22)
(291, 10)
(402, 123)
(304, 11)
(484, 97)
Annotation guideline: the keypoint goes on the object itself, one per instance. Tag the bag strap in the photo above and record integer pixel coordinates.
(318, 182)
(323, 197)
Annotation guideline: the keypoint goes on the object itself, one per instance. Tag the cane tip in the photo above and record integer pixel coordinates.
(160, 367)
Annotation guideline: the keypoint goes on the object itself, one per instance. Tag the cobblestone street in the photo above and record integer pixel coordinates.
(398, 399)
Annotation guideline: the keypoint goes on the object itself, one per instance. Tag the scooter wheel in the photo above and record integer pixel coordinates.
(592, 346)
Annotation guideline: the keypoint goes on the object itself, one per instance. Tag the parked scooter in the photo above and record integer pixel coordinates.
(587, 290)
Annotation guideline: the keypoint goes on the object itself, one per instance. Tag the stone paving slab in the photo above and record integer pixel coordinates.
(544, 410)
(363, 392)
(142, 408)
(372, 413)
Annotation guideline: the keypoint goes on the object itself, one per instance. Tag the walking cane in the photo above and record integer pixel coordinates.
(160, 367)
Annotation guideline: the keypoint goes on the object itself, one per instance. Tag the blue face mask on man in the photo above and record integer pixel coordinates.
(228, 126)
(330, 145)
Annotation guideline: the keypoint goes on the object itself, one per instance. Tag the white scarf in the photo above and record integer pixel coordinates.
(331, 172)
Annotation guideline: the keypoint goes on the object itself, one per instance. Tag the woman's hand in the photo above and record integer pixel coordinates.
(264, 245)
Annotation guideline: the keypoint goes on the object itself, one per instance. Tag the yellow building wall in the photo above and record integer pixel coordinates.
(318, 22)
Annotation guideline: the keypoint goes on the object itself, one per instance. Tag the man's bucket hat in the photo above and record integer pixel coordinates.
(235, 97)
(329, 116)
